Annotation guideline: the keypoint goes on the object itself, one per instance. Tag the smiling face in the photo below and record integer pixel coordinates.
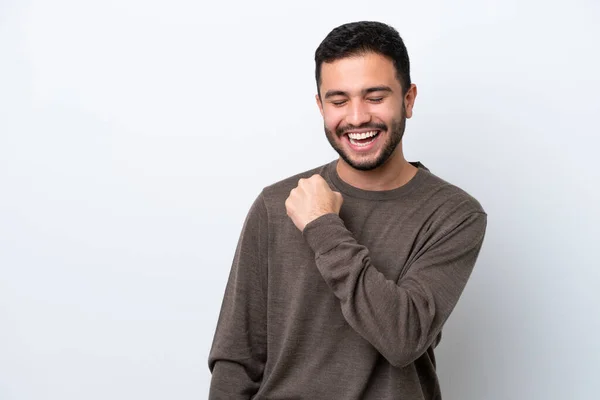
(363, 108)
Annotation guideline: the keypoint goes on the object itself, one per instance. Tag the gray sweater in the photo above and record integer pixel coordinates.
(353, 307)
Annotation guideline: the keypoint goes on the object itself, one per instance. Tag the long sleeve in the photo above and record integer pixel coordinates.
(238, 353)
(400, 319)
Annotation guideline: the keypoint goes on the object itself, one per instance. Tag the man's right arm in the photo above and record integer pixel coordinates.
(239, 350)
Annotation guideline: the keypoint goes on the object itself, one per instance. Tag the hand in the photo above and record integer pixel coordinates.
(311, 199)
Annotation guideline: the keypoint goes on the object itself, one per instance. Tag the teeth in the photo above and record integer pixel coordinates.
(358, 144)
(364, 135)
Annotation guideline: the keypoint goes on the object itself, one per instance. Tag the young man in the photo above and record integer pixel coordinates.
(345, 274)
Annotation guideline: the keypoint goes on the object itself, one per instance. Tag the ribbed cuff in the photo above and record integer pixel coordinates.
(325, 233)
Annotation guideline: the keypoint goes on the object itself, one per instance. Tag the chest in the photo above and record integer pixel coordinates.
(392, 234)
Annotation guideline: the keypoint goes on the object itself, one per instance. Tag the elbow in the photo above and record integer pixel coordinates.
(403, 356)
(402, 359)
(412, 343)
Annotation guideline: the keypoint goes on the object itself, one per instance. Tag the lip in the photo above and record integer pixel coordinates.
(362, 149)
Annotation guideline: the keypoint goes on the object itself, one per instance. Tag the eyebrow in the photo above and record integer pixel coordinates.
(332, 93)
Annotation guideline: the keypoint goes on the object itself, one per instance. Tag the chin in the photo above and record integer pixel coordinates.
(363, 163)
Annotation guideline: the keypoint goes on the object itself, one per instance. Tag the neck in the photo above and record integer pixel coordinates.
(394, 173)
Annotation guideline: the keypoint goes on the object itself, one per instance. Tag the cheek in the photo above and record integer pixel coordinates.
(384, 113)
(332, 120)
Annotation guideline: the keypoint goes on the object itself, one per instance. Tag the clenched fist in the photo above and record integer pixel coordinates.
(311, 199)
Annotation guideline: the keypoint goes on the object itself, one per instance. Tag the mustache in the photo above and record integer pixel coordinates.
(342, 130)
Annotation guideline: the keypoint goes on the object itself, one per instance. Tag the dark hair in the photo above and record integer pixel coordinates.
(358, 38)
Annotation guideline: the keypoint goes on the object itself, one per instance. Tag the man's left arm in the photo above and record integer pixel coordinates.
(401, 319)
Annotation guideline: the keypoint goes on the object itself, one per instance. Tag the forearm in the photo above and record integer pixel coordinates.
(237, 357)
(231, 381)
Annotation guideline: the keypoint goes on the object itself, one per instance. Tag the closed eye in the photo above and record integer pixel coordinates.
(338, 103)
(376, 99)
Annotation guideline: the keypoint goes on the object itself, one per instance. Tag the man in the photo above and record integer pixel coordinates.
(345, 274)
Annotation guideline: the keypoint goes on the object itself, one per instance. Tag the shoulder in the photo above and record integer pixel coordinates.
(272, 197)
(443, 206)
(280, 190)
(449, 195)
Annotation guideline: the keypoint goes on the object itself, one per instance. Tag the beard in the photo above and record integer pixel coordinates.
(396, 132)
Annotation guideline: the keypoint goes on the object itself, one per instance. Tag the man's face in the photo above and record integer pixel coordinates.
(363, 109)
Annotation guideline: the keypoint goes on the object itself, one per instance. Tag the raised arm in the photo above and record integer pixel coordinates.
(401, 319)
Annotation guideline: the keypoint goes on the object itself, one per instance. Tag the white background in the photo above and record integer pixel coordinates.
(134, 136)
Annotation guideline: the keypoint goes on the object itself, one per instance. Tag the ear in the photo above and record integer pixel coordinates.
(319, 104)
(409, 100)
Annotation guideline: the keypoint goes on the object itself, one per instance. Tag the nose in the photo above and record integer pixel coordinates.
(358, 114)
